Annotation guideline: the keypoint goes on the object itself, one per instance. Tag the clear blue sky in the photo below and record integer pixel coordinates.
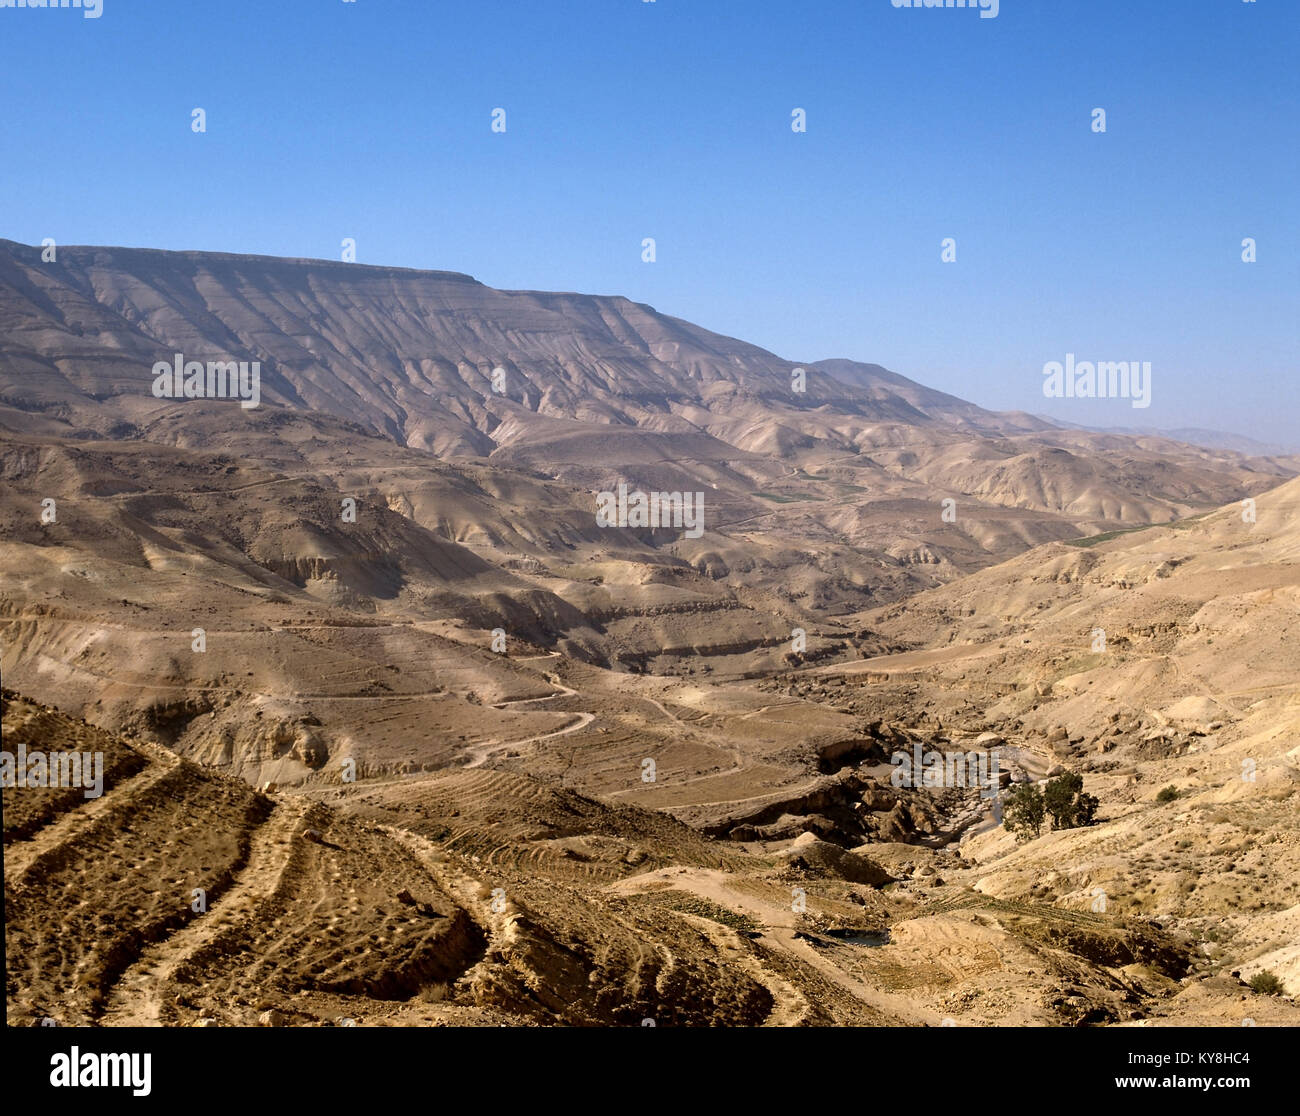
(672, 120)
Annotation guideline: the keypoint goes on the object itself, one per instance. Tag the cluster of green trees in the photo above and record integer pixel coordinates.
(1062, 799)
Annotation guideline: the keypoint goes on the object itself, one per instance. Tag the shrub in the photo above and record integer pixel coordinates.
(435, 993)
(1167, 794)
(1266, 984)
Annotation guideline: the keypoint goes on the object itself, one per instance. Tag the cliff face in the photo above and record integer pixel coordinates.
(410, 354)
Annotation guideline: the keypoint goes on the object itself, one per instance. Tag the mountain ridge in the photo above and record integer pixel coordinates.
(607, 340)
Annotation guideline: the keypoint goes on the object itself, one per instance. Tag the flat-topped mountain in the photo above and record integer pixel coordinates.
(411, 353)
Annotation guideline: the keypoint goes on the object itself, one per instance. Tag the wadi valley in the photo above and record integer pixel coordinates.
(396, 730)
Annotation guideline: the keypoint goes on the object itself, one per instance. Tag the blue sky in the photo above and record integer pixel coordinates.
(672, 120)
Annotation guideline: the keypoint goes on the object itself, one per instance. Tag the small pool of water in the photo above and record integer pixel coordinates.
(860, 938)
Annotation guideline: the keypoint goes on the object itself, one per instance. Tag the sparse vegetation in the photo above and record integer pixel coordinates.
(780, 498)
(435, 993)
(1266, 984)
(704, 908)
(1167, 794)
(1106, 536)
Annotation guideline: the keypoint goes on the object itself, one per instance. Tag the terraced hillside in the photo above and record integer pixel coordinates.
(181, 896)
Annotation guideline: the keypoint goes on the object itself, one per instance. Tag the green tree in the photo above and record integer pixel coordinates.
(1085, 810)
(1023, 812)
(1067, 804)
(1059, 798)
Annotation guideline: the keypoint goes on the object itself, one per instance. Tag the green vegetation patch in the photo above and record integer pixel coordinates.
(777, 498)
(687, 903)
